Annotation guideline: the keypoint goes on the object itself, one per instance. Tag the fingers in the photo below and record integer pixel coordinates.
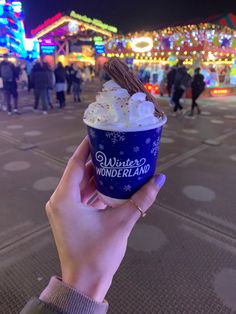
(98, 203)
(88, 191)
(88, 174)
(143, 199)
(74, 171)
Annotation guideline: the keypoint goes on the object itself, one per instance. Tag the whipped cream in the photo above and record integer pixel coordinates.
(116, 109)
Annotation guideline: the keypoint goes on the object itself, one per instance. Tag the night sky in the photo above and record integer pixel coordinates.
(129, 15)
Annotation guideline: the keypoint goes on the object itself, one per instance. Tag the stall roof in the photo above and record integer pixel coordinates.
(58, 25)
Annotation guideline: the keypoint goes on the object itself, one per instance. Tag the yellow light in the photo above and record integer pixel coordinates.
(177, 53)
(147, 44)
(169, 53)
(67, 19)
(155, 53)
(162, 53)
(194, 52)
(185, 52)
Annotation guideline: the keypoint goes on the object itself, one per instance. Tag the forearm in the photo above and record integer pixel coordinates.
(61, 298)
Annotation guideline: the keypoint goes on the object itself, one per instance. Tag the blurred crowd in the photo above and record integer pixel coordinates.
(176, 82)
(43, 80)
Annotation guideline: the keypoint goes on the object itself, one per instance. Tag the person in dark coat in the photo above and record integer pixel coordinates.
(170, 80)
(69, 78)
(76, 83)
(9, 75)
(182, 82)
(60, 76)
(198, 86)
(51, 83)
(40, 82)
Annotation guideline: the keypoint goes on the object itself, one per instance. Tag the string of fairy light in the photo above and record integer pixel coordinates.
(213, 43)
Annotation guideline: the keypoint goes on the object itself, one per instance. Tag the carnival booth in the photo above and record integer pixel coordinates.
(208, 46)
(73, 38)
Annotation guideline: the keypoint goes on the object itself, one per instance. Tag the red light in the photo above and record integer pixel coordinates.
(148, 86)
(156, 89)
(46, 23)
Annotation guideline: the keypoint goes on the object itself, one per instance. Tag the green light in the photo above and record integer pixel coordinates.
(95, 22)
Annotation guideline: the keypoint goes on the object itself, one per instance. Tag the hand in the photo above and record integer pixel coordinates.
(92, 240)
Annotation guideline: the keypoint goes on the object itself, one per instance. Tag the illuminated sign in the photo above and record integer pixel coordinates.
(95, 22)
(47, 42)
(46, 23)
(220, 91)
(47, 50)
(142, 44)
(99, 45)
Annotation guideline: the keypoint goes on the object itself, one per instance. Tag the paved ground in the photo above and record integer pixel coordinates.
(181, 258)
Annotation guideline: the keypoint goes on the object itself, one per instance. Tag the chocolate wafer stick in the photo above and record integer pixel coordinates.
(121, 74)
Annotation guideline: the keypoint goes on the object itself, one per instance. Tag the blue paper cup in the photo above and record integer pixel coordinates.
(123, 161)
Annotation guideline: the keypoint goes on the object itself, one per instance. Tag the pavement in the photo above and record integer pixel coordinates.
(181, 258)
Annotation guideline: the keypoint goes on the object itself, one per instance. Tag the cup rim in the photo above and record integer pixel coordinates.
(133, 129)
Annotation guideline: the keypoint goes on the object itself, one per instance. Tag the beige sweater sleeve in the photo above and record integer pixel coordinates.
(68, 300)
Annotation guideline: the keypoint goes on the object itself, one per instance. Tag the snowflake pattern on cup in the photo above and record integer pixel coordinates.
(155, 147)
(123, 161)
(92, 133)
(136, 149)
(148, 141)
(116, 137)
(127, 188)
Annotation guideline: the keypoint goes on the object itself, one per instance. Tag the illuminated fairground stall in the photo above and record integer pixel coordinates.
(209, 46)
(72, 38)
(12, 32)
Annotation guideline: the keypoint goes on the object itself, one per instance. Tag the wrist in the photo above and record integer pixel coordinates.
(89, 283)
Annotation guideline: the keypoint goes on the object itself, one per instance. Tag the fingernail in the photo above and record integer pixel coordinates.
(160, 181)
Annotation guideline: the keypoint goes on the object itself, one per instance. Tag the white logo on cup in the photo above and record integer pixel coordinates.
(114, 167)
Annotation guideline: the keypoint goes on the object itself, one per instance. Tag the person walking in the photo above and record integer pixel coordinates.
(182, 82)
(51, 83)
(69, 74)
(40, 82)
(60, 76)
(163, 82)
(76, 83)
(170, 80)
(198, 86)
(87, 74)
(9, 75)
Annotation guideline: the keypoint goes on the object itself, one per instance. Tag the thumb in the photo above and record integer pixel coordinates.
(143, 200)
